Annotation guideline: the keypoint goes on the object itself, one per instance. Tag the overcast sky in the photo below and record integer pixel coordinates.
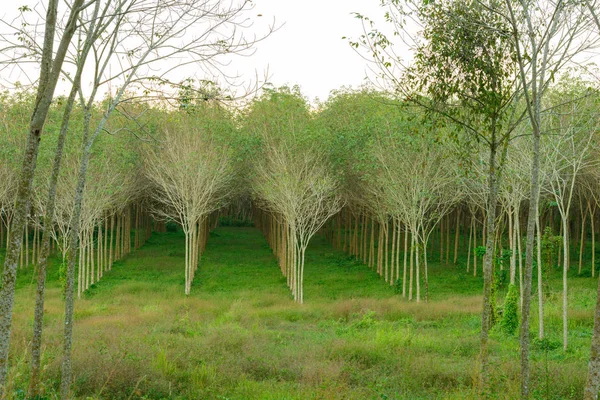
(308, 49)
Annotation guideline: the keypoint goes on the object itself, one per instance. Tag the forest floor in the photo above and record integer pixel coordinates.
(240, 336)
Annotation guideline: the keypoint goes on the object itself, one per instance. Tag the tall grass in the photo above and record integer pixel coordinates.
(239, 335)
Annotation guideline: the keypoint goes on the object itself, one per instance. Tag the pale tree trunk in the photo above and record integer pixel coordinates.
(426, 271)
(398, 241)
(456, 236)
(526, 303)
(565, 271)
(49, 74)
(470, 244)
(385, 251)
(405, 261)
(511, 241)
(36, 341)
(71, 259)
(582, 234)
(411, 265)
(418, 273)
(593, 378)
(393, 253)
(593, 229)
(518, 249)
(540, 276)
(475, 252)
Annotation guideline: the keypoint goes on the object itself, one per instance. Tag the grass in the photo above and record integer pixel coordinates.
(240, 336)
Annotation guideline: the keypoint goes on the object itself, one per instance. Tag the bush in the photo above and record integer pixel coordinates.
(510, 316)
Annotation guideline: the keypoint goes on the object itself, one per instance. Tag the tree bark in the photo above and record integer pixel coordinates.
(487, 271)
(36, 341)
(593, 378)
(526, 305)
(49, 74)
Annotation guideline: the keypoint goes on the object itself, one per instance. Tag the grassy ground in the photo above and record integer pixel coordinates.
(239, 335)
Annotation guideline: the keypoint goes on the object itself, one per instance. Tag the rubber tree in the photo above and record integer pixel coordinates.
(416, 173)
(141, 36)
(191, 172)
(292, 177)
(353, 119)
(570, 149)
(464, 70)
(547, 36)
(50, 68)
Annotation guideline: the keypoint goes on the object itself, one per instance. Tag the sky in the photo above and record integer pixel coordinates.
(308, 49)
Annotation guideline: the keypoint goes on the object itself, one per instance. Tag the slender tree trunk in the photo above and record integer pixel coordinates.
(511, 244)
(418, 272)
(412, 249)
(593, 378)
(475, 252)
(405, 262)
(49, 74)
(393, 254)
(540, 270)
(583, 218)
(486, 318)
(593, 229)
(448, 239)
(565, 289)
(526, 306)
(456, 236)
(398, 241)
(386, 248)
(426, 271)
(36, 341)
(470, 245)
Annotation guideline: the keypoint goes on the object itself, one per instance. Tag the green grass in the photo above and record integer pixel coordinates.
(240, 336)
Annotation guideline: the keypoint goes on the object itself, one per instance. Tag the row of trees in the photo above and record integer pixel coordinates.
(486, 67)
(378, 178)
(483, 74)
(123, 49)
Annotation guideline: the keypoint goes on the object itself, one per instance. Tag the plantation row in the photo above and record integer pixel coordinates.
(400, 191)
(483, 136)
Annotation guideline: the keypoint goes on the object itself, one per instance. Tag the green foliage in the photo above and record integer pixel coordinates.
(466, 57)
(398, 286)
(550, 244)
(480, 251)
(510, 315)
(62, 276)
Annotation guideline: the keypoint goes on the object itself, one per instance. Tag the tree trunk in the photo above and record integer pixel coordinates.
(540, 276)
(405, 262)
(393, 254)
(526, 304)
(470, 245)
(511, 240)
(36, 341)
(456, 236)
(593, 378)
(565, 288)
(486, 318)
(412, 249)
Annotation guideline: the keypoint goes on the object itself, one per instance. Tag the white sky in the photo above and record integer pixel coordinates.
(308, 49)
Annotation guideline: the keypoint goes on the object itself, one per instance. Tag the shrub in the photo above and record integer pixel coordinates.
(510, 317)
